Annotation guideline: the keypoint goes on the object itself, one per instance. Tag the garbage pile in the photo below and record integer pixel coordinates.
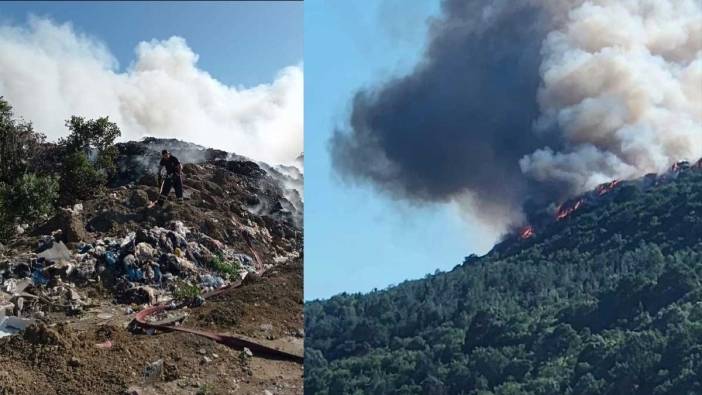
(143, 267)
(238, 217)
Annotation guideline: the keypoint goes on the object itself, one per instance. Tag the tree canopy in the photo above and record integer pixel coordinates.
(607, 301)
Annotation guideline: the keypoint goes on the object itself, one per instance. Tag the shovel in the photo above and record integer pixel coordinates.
(160, 190)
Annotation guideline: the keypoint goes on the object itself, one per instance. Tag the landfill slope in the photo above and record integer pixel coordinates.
(78, 280)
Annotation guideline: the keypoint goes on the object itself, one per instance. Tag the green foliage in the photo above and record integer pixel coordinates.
(31, 198)
(608, 301)
(19, 144)
(29, 166)
(185, 291)
(230, 269)
(79, 179)
(93, 136)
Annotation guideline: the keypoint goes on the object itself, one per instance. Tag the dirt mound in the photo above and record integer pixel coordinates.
(107, 359)
(274, 314)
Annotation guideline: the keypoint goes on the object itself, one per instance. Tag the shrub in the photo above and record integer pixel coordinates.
(79, 179)
(19, 144)
(93, 137)
(228, 268)
(31, 198)
(185, 291)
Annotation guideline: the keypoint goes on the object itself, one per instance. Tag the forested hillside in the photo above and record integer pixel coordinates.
(605, 300)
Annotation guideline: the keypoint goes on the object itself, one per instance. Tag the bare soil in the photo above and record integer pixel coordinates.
(64, 357)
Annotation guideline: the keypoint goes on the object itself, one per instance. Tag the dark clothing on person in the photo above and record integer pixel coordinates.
(171, 163)
(173, 181)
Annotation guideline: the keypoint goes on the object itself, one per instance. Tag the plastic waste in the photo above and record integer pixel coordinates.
(134, 273)
(39, 278)
(211, 281)
(111, 259)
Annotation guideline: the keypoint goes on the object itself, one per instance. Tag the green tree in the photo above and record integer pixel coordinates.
(29, 199)
(18, 144)
(90, 156)
(79, 179)
(95, 138)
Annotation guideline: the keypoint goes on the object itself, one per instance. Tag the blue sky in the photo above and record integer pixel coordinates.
(239, 43)
(356, 239)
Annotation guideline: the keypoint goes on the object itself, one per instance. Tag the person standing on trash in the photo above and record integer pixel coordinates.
(174, 177)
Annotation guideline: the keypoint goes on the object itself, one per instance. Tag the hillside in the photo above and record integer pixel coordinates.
(601, 295)
(227, 260)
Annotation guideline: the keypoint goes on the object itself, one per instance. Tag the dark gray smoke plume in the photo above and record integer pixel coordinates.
(462, 120)
(500, 108)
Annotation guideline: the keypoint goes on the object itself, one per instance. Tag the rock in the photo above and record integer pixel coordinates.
(73, 228)
(202, 351)
(71, 225)
(251, 278)
(57, 252)
(139, 198)
(74, 362)
(140, 295)
(39, 333)
(206, 360)
(246, 353)
(266, 392)
(149, 180)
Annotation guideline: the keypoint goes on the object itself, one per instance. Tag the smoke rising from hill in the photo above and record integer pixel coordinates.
(49, 72)
(532, 100)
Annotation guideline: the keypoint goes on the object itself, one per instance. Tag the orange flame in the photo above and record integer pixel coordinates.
(607, 187)
(526, 232)
(564, 211)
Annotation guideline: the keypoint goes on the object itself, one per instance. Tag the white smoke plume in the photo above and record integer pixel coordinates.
(622, 83)
(49, 72)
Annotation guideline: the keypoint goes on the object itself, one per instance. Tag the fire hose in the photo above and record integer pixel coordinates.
(227, 340)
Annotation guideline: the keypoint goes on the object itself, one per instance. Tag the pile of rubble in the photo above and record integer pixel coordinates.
(238, 217)
(143, 267)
